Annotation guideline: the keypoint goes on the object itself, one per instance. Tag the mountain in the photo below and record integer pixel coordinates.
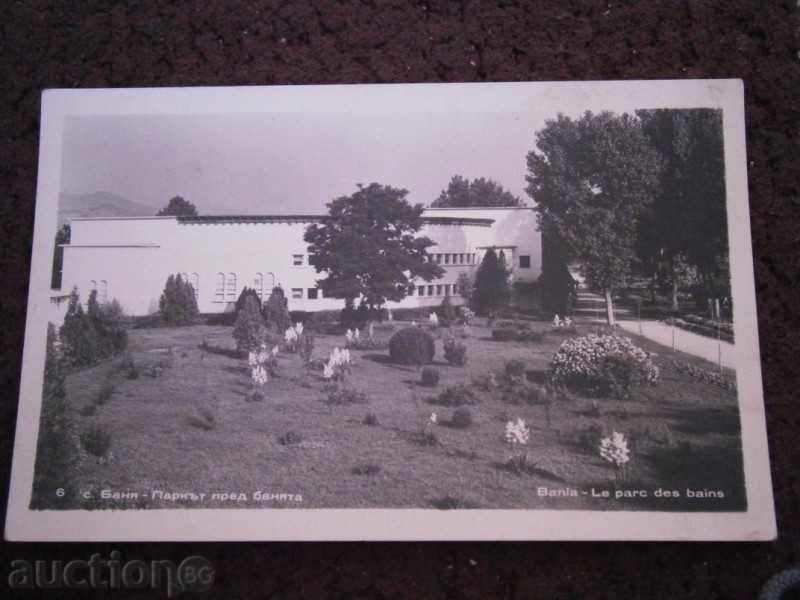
(100, 204)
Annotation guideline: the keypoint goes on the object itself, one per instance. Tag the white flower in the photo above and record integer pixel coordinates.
(357, 335)
(556, 321)
(567, 322)
(327, 371)
(389, 316)
(298, 328)
(433, 418)
(433, 318)
(614, 449)
(290, 335)
(517, 432)
(252, 359)
(275, 350)
(349, 335)
(259, 375)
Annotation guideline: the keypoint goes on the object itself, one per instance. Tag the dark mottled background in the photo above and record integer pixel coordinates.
(96, 44)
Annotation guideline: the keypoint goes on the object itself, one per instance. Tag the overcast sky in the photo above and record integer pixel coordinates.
(297, 162)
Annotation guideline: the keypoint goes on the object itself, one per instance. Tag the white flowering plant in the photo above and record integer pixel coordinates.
(338, 365)
(517, 434)
(614, 449)
(608, 364)
(262, 363)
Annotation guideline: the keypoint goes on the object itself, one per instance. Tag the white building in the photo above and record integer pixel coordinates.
(130, 258)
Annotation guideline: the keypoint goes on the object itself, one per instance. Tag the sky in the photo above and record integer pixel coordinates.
(296, 162)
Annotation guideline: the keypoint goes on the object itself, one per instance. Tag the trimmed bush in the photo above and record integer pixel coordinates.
(504, 335)
(178, 305)
(462, 418)
(371, 419)
(430, 376)
(455, 352)
(412, 346)
(243, 296)
(446, 312)
(609, 364)
(458, 395)
(515, 369)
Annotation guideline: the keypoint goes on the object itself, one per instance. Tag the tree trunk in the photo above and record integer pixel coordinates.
(609, 308)
(675, 305)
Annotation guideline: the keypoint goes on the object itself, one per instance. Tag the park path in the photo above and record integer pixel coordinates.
(591, 307)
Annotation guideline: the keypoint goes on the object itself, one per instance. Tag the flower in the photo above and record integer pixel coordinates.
(615, 450)
(433, 318)
(290, 336)
(298, 328)
(517, 432)
(433, 418)
(567, 322)
(275, 350)
(327, 371)
(349, 335)
(259, 374)
(556, 321)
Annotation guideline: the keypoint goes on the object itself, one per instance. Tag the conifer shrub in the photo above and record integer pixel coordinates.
(178, 305)
(56, 447)
(412, 346)
(462, 418)
(447, 312)
(78, 334)
(276, 311)
(246, 293)
(249, 329)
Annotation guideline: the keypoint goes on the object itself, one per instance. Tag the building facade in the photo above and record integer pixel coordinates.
(130, 258)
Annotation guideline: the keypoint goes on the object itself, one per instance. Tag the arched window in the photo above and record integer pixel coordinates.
(102, 292)
(230, 287)
(258, 285)
(219, 288)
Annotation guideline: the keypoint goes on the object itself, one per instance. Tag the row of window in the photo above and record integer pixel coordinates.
(226, 288)
(101, 287)
(434, 289)
(453, 258)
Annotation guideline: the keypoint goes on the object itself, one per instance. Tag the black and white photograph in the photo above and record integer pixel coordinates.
(468, 311)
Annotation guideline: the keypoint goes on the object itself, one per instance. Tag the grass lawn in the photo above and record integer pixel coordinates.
(185, 425)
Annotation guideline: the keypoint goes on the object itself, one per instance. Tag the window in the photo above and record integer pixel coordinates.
(430, 290)
(297, 293)
(446, 289)
(438, 259)
(421, 290)
(411, 290)
(258, 285)
(447, 259)
(455, 289)
(297, 260)
(230, 287)
(524, 262)
(219, 288)
(439, 289)
(313, 293)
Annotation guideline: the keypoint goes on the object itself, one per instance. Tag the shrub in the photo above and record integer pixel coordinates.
(178, 305)
(276, 311)
(412, 346)
(340, 395)
(56, 450)
(419, 313)
(455, 352)
(458, 395)
(249, 330)
(110, 324)
(608, 364)
(430, 376)
(305, 346)
(466, 287)
(96, 441)
(357, 318)
(523, 392)
(127, 367)
(515, 370)
(504, 335)
(462, 418)
(446, 312)
(105, 393)
(290, 438)
(368, 469)
(371, 419)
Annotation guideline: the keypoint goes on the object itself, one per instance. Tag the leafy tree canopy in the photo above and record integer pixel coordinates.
(178, 207)
(592, 178)
(369, 247)
(478, 192)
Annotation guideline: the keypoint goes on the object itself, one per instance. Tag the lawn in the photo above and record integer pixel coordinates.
(185, 425)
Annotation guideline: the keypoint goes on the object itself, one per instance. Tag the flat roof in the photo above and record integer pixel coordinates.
(318, 219)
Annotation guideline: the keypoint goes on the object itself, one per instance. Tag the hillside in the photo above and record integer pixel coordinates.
(100, 204)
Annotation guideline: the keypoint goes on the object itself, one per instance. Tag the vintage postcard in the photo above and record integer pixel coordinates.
(511, 311)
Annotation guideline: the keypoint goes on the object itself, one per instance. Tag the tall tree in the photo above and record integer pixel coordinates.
(592, 178)
(685, 232)
(478, 192)
(369, 247)
(492, 291)
(178, 207)
(62, 237)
